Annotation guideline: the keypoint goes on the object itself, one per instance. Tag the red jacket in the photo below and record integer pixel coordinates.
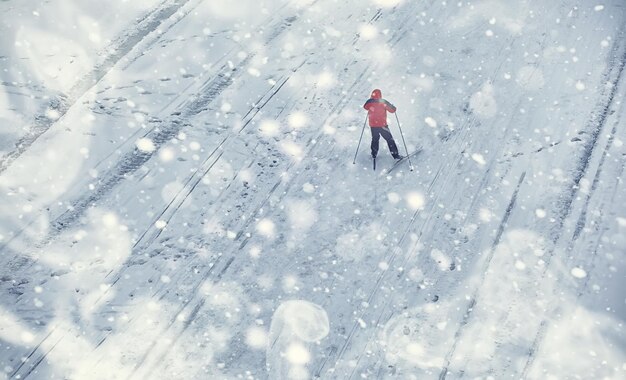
(377, 108)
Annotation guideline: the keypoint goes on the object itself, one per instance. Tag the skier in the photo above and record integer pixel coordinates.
(377, 108)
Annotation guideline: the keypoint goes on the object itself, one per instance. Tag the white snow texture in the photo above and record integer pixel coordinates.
(182, 197)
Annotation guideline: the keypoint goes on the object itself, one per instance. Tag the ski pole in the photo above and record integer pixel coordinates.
(357, 147)
(405, 148)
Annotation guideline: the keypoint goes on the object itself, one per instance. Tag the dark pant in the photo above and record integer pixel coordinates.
(383, 131)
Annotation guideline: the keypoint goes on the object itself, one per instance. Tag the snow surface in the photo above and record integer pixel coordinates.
(178, 199)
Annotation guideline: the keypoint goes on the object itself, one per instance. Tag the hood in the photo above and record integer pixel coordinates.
(376, 94)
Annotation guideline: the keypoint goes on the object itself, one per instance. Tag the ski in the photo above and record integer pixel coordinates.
(374, 162)
(398, 162)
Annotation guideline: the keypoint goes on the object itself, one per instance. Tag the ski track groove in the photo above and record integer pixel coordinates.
(189, 189)
(468, 311)
(131, 161)
(127, 164)
(457, 142)
(30, 355)
(585, 159)
(466, 316)
(600, 235)
(211, 96)
(177, 201)
(449, 172)
(377, 15)
(582, 218)
(333, 349)
(124, 44)
(204, 169)
(194, 292)
(599, 240)
(155, 120)
(257, 210)
(194, 311)
(594, 128)
(184, 305)
(390, 261)
(41, 358)
(461, 135)
(188, 320)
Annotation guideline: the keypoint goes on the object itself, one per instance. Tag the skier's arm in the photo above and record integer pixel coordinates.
(390, 107)
(367, 104)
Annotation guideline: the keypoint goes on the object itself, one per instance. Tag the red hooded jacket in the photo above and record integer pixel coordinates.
(377, 108)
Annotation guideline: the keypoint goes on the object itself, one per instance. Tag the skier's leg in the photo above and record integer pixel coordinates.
(375, 139)
(393, 148)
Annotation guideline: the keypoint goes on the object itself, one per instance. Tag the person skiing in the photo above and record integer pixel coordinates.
(377, 109)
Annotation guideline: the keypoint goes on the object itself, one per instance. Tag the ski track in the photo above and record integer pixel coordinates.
(483, 273)
(132, 161)
(503, 224)
(594, 254)
(390, 260)
(204, 169)
(460, 138)
(473, 300)
(595, 130)
(284, 191)
(233, 254)
(595, 127)
(131, 39)
(114, 53)
(585, 158)
(160, 134)
(603, 203)
(449, 171)
(474, 199)
(210, 90)
(208, 164)
(30, 355)
(582, 218)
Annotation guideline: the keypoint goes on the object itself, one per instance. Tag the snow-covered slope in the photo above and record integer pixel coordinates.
(178, 198)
